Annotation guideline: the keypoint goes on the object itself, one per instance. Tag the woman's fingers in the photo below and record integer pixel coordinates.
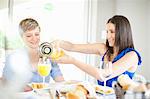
(66, 59)
(56, 43)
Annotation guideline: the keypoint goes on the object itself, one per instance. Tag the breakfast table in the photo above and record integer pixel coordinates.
(55, 90)
(33, 95)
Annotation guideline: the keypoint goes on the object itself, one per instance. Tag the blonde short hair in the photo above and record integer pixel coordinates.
(27, 25)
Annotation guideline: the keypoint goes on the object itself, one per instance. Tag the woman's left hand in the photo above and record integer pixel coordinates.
(65, 59)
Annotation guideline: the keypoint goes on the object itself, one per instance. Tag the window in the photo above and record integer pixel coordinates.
(59, 19)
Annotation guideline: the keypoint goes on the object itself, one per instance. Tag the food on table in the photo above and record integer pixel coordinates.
(38, 85)
(104, 90)
(71, 95)
(128, 84)
(125, 81)
(82, 88)
(79, 93)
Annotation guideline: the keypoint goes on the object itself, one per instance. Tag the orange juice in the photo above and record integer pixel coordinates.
(56, 54)
(44, 69)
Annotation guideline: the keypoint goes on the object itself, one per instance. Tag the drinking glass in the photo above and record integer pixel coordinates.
(44, 68)
(107, 67)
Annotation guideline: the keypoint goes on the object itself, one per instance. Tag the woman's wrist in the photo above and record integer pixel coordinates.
(66, 45)
(60, 44)
(73, 61)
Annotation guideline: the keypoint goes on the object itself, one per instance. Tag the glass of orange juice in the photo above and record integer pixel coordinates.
(44, 68)
(56, 54)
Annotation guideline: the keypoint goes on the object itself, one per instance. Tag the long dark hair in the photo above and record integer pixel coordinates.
(123, 34)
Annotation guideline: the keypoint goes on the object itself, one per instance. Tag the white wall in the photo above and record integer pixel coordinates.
(106, 8)
(148, 40)
(3, 4)
(137, 11)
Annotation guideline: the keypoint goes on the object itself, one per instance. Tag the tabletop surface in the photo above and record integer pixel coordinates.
(55, 88)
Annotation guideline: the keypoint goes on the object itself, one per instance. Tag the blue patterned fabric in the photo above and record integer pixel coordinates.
(130, 74)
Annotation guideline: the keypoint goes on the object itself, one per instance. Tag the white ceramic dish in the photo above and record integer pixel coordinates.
(104, 90)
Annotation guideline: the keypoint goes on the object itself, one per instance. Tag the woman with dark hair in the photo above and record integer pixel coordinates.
(119, 49)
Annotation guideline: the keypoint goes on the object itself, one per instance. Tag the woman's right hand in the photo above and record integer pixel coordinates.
(62, 44)
(56, 43)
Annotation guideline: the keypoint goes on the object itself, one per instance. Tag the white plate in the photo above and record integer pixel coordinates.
(104, 90)
(38, 86)
(40, 91)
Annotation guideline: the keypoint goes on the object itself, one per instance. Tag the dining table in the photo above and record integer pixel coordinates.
(53, 91)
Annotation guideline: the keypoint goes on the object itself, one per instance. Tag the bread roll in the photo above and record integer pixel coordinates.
(127, 83)
(71, 95)
(140, 88)
(82, 88)
(79, 93)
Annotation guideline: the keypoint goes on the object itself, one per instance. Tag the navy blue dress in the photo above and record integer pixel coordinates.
(130, 74)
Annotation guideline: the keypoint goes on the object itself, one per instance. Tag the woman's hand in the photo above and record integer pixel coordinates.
(65, 59)
(56, 43)
(62, 44)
